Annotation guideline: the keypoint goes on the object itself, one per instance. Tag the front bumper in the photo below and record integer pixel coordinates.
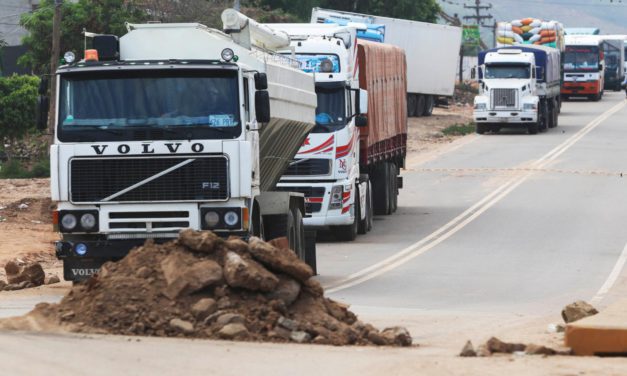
(505, 117)
(77, 266)
(581, 88)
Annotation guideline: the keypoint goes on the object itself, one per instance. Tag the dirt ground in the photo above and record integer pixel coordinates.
(26, 223)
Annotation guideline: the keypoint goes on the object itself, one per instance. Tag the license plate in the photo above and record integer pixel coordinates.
(504, 119)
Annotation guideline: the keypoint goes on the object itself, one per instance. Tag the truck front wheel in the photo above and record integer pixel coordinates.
(481, 128)
(381, 189)
(348, 233)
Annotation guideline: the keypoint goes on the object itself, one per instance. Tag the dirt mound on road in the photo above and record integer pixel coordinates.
(202, 286)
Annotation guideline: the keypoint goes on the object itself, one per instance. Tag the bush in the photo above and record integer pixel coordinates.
(15, 169)
(459, 129)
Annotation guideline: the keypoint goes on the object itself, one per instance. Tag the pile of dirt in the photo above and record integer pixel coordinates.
(202, 286)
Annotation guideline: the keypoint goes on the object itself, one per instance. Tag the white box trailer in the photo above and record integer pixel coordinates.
(431, 50)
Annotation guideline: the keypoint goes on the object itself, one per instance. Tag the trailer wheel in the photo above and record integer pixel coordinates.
(411, 105)
(348, 233)
(393, 187)
(381, 190)
(429, 102)
(420, 105)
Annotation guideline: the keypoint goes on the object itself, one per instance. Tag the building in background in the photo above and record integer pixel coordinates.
(11, 32)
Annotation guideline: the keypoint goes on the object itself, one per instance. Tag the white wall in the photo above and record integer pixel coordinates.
(10, 12)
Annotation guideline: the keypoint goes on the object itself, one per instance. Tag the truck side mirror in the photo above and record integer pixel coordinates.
(261, 81)
(262, 106)
(473, 73)
(539, 73)
(361, 121)
(600, 67)
(43, 106)
(362, 102)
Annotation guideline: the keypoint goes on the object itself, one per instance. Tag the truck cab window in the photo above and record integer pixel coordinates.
(331, 110)
(159, 104)
(496, 71)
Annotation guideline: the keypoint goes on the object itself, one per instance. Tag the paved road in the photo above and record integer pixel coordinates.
(553, 232)
(501, 224)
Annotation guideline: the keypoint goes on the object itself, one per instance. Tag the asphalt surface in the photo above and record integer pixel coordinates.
(555, 236)
(502, 223)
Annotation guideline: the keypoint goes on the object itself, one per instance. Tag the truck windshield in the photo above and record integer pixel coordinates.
(507, 71)
(148, 105)
(331, 110)
(577, 58)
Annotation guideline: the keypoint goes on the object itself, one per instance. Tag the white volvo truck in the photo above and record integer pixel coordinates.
(177, 126)
(519, 86)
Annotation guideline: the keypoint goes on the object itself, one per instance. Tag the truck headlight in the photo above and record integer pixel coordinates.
(231, 218)
(212, 219)
(88, 221)
(79, 220)
(481, 106)
(530, 107)
(336, 197)
(68, 221)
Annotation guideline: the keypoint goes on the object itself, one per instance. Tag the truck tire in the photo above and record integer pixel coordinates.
(299, 231)
(284, 225)
(533, 127)
(370, 213)
(481, 128)
(411, 105)
(429, 102)
(366, 224)
(348, 233)
(420, 105)
(381, 190)
(393, 187)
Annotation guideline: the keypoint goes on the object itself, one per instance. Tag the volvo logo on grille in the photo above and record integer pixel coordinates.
(148, 148)
(210, 185)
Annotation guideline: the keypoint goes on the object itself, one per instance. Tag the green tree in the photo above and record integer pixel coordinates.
(18, 101)
(100, 16)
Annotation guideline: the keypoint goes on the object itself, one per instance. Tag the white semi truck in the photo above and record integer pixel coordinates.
(432, 52)
(177, 126)
(348, 167)
(519, 87)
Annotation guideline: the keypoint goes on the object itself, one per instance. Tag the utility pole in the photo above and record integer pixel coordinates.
(478, 17)
(54, 63)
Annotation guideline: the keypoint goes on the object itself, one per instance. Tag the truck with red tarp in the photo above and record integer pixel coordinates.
(349, 165)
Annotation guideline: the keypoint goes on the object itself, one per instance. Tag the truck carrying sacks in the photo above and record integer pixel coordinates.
(530, 31)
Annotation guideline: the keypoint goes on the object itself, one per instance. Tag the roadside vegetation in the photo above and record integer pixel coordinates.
(459, 129)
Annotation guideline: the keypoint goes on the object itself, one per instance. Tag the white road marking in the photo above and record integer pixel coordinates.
(611, 279)
(459, 222)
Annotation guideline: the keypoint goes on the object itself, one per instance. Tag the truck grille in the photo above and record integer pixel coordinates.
(309, 192)
(143, 179)
(309, 167)
(503, 98)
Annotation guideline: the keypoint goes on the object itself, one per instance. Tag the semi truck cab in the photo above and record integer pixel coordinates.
(326, 168)
(175, 126)
(507, 91)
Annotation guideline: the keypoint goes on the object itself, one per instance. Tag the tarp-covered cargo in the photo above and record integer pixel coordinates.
(383, 73)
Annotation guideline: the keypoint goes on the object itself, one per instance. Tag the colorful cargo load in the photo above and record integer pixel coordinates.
(530, 31)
